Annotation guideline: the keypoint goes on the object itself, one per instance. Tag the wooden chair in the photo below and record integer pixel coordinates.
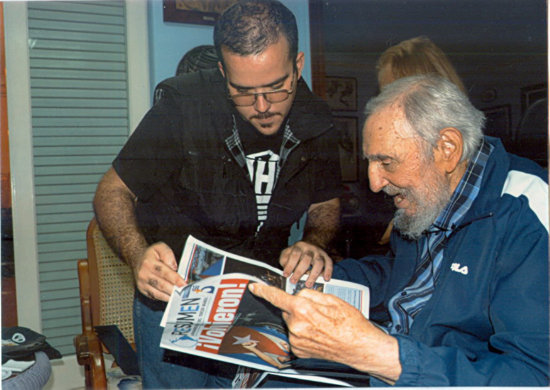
(106, 298)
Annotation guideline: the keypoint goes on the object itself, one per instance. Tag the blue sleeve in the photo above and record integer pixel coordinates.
(371, 271)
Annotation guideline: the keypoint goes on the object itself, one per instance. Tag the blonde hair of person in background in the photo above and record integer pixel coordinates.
(411, 57)
(415, 56)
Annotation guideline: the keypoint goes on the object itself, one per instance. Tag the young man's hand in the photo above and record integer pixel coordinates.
(303, 257)
(156, 272)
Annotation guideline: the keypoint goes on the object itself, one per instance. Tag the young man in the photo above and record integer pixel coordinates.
(463, 298)
(233, 156)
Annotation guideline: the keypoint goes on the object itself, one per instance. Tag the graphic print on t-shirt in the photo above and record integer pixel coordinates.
(263, 171)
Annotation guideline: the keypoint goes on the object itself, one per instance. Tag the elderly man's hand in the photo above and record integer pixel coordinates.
(303, 257)
(156, 272)
(323, 326)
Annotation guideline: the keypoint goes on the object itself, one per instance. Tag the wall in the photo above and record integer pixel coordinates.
(497, 47)
(169, 41)
(502, 74)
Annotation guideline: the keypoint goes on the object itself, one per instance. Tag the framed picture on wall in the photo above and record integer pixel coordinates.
(498, 121)
(194, 11)
(341, 93)
(347, 145)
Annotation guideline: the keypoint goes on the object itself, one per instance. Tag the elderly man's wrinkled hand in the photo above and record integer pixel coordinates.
(156, 272)
(302, 258)
(325, 327)
(320, 325)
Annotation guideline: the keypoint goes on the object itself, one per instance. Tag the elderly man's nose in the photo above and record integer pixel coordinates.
(376, 180)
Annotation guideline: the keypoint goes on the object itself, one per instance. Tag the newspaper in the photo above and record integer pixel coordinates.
(215, 315)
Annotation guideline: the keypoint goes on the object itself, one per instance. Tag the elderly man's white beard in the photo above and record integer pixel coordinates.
(430, 200)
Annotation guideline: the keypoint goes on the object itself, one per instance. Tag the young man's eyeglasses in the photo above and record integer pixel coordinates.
(249, 99)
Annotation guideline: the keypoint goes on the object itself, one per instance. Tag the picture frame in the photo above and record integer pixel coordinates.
(498, 122)
(531, 94)
(204, 12)
(348, 147)
(341, 93)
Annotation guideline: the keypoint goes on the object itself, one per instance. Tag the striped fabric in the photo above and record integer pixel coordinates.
(406, 304)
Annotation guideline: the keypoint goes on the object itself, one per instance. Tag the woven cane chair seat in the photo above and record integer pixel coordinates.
(116, 287)
(106, 298)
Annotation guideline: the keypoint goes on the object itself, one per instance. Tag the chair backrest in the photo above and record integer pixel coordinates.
(532, 133)
(111, 284)
(534, 122)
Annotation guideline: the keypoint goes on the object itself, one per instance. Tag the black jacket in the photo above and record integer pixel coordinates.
(188, 181)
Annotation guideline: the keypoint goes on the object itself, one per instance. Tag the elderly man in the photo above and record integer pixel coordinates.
(462, 299)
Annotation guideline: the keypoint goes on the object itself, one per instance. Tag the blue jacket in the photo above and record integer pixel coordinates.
(486, 325)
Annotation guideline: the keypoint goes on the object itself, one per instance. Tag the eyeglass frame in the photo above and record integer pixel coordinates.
(255, 94)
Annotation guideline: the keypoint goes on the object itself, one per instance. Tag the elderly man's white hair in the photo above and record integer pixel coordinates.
(431, 103)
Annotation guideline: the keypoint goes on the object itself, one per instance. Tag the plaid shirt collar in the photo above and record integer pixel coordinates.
(466, 191)
(235, 146)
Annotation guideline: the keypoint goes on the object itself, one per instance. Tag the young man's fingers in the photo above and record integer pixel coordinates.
(166, 255)
(304, 265)
(329, 266)
(173, 277)
(152, 290)
(293, 255)
(314, 273)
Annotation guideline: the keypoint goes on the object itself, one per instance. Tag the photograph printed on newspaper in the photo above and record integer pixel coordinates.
(215, 315)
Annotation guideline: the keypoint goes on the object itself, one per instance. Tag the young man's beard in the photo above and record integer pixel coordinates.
(430, 200)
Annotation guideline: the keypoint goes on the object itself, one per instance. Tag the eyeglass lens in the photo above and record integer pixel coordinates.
(250, 99)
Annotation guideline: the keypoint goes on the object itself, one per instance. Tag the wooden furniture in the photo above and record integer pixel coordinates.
(106, 298)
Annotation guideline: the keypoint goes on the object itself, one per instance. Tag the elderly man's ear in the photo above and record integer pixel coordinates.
(449, 150)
